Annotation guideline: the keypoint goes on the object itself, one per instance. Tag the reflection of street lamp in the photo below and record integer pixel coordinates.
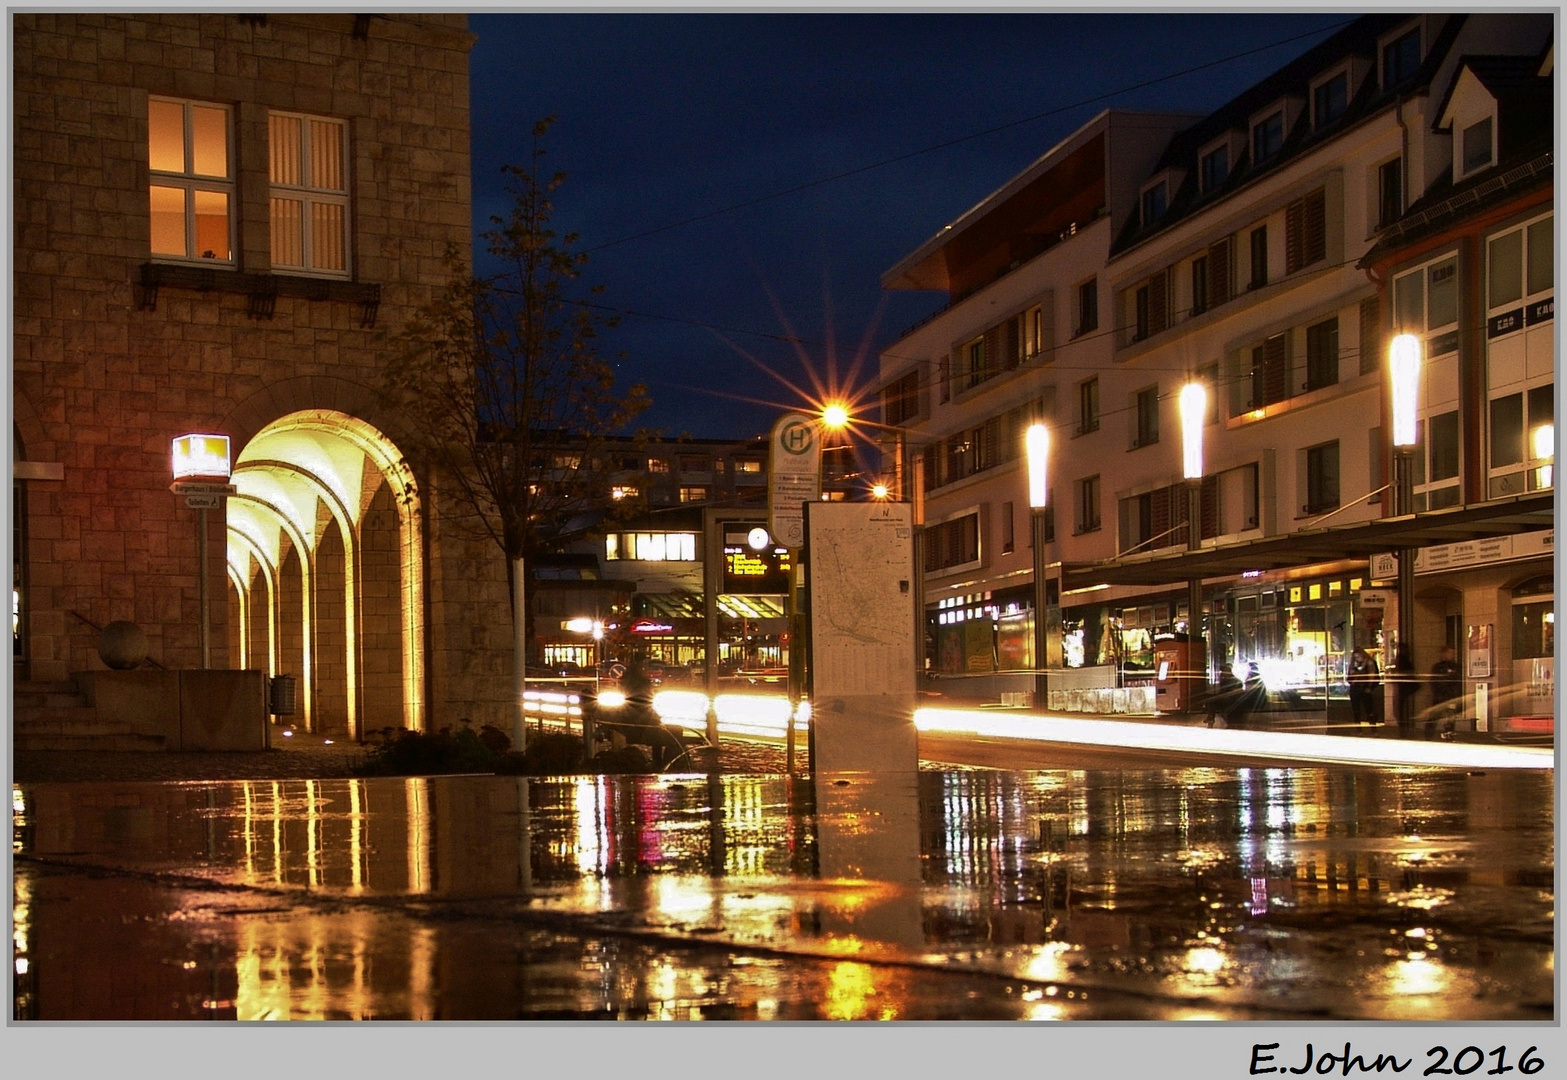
(1194, 414)
(1037, 447)
(1545, 453)
(1404, 369)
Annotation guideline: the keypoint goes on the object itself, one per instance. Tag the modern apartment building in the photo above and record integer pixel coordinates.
(1235, 256)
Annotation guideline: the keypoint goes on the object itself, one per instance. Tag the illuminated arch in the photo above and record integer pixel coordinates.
(318, 469)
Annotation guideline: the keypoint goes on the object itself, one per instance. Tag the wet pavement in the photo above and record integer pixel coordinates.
(1155, 894)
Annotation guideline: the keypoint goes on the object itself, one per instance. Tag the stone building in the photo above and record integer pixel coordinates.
(221, 220)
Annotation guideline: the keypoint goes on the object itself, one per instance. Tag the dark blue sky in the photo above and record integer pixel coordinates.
(667, 117)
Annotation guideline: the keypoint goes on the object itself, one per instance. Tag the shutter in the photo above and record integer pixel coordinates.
(1315, 241)
(1219, 273)
(1276, 370)
(1209, 508)
(1370, 334)
(1159, 521)
(1158, 302)
(995, 350)
(1294, 236)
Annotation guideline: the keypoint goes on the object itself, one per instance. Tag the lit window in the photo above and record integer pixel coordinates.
(309, 194)
(748, 466)
(191, 186)
(623, 491)
(693, 494)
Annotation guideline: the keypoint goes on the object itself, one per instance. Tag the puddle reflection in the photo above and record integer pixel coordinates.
(1200, 893)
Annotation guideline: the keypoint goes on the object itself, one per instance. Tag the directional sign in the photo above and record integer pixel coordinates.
(194, 487)
(204, 502)
(794, 477)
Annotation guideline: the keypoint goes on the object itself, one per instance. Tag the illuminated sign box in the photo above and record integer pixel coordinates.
(755, 572)
(200, 455)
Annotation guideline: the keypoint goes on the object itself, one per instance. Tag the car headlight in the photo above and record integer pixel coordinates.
(611, 699)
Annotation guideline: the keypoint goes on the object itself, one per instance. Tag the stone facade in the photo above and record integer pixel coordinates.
(116, 352)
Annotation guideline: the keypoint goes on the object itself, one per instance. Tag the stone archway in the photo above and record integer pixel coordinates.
(326, 558)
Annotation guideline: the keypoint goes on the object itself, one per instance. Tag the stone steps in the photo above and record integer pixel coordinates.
(84, 743)
(56, 716)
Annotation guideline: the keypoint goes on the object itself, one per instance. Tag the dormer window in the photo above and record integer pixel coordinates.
(1155, 202)
(1400, 58)
(1267, 137)
(1478, 146)
(1215, 168)
(1329, 99)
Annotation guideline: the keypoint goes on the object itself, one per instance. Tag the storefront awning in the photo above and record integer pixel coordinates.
(1499, 517)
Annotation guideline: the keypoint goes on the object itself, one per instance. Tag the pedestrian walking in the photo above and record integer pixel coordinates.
(1447, 685)
(1405, 686)
(1365, 679)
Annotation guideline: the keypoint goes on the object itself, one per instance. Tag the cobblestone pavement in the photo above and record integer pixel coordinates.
(301, 756)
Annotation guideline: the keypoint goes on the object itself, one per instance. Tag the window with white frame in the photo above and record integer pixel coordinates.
(1088, 519)
(1155, 202)
(1425, 303)
(1438, 450)
(309, 194)
(1267, 137)
(1400, 58)
(1478, 147)
(1321, 478)
(1329, 99)
(1520, 375)
(1214, 168)
(190, 180)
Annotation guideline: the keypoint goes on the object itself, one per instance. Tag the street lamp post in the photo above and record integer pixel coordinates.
(1037, 448)
(1404, 365)
(1194, 414)
(201, 467)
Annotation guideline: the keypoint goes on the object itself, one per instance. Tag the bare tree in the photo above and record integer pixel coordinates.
(502, 380)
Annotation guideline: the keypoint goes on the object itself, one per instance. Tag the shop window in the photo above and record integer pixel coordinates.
(191, 180)
(1534, 629)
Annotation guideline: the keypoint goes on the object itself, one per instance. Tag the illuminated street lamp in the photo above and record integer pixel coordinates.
(1036, 447)
(1404, 369)
(1194, 414)
(200, 465)
(879, 491)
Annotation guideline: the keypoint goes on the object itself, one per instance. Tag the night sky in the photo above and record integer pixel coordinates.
(665, 118)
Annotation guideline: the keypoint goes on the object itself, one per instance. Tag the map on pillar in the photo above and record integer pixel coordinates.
(860, 565)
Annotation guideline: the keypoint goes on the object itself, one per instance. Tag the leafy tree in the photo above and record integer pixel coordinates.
(504, 387)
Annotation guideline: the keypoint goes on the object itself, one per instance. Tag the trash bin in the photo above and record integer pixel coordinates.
(280, 695)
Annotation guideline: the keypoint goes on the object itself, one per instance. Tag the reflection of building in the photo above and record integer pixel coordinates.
(1265, 251)
(219, 219)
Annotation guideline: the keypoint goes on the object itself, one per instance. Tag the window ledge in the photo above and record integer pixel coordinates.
(261, 289)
